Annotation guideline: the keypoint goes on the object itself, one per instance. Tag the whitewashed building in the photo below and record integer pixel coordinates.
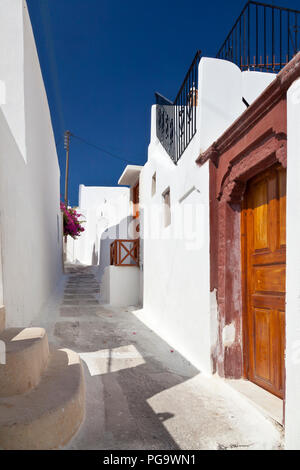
(105, 212)
(177, 298)
(203, 290)
(192, 201)
(110, 221)
(30, 217)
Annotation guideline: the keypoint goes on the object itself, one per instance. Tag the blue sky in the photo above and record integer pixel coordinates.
(102, 61)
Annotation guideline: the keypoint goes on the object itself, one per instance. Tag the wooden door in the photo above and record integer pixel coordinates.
(264, 247)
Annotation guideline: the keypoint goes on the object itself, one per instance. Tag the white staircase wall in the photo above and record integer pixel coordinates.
(120, 286)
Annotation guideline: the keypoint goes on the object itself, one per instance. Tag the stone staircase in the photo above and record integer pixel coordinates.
(42, 395)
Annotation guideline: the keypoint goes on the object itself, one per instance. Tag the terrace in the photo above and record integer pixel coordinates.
(264, 38)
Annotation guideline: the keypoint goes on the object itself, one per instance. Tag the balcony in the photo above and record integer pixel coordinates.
(176, 120)
(264, 38)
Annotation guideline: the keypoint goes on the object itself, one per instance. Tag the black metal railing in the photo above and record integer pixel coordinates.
(176, 120)
(264, 38)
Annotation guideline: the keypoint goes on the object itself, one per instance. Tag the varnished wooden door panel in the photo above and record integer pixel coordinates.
(264, 245)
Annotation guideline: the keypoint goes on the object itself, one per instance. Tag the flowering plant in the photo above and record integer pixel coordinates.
(72, 224)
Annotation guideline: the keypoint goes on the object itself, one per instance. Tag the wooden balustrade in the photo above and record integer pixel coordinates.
(124, 253)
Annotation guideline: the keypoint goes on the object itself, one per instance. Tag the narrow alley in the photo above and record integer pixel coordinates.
(149, 226)
(138, 387)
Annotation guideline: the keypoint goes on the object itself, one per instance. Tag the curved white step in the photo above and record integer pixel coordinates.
(26, 355)
(48, 416)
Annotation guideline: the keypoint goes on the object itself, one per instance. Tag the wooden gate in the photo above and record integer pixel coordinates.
(124, 253)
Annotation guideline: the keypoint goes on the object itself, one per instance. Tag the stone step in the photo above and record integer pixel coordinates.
(48, 416)
(81, 291)
(26, 357)
(80, 302)
(82, 284)
(82, 276)
(79, 297)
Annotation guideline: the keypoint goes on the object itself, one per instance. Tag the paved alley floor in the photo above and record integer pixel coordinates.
(140, 393)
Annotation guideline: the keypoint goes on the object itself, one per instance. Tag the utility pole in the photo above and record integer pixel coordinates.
(67, 148)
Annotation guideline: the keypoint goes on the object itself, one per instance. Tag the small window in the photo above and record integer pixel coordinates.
(153, 189)
(167, 207)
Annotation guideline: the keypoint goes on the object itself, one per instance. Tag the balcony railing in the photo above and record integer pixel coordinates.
(124, 253)
(263, 38)
(176, 120)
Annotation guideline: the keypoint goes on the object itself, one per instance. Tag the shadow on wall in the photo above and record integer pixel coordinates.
(94, 256)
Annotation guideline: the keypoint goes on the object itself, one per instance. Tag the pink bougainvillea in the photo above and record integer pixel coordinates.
(72, 224)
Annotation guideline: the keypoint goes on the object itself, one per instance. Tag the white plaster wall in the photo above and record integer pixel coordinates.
(292, 408)
(176, 267)
(106, 211)
(12, 68)
(95, 196)
(254, 83)
(222, 86)
(219, 98)
(120, 286)
(30, 216)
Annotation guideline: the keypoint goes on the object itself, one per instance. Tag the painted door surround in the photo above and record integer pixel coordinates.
(252, 144)
(226, 252)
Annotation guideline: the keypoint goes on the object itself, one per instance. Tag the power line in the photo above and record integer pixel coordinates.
(102, 149)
